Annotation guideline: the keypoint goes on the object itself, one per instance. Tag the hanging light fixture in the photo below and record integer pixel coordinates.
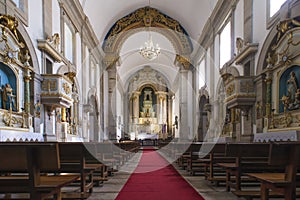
(149, 51)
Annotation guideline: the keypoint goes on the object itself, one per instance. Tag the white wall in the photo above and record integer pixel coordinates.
(35, 22)
(55, 17)
(259, 28)
(239, 22)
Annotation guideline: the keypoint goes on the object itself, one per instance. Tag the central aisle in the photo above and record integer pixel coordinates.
(155, 178)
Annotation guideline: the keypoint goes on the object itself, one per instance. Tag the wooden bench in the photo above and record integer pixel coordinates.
(193, 163)
(30, 164)
(76, 158)
(286, 155)
(249, 157)
(108, 157)
(216, 154)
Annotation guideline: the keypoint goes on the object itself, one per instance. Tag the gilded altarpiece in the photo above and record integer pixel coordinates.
(15, 78)
(282, 79)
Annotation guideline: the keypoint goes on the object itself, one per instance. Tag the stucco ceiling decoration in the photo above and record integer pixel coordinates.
(152, 19)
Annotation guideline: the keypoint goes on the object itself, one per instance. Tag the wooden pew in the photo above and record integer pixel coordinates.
(216, 154)
(286, 155)
(27, 162)
(105, 154)
(249, 157)
(73, 158)
(100, 174)
(181, 152)
(193, 163)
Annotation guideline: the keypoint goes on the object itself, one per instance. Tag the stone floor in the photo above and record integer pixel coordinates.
(110, 189)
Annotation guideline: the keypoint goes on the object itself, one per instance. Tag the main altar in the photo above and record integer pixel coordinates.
(148, 105)
(147, 123)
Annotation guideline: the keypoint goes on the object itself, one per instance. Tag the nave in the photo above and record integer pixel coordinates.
(115, 184)
(169, 171)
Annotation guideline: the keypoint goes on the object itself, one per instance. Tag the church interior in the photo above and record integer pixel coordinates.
(149, 99)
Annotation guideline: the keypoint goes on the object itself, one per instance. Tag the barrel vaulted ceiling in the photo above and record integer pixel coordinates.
(191, 14)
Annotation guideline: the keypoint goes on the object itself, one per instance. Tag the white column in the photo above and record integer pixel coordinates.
(158, 107)
(183, 105)
(136, 107)
(165, 109)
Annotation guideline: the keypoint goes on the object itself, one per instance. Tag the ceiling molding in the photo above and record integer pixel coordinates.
(140, 20)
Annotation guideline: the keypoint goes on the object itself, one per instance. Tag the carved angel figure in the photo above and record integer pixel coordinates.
(239, 44)
(54, 40)
(11, 23)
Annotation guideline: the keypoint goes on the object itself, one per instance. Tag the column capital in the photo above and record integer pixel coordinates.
(183, 61)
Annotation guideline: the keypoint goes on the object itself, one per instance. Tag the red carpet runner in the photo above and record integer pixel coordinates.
(163, 184)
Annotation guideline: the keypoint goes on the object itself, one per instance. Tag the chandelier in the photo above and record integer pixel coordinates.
(149, 51)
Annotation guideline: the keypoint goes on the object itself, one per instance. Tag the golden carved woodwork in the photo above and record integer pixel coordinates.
(247, 87)
(185, 62)
(49, 85)
(285, 26)
(9, 54)
(230, 90)
(43, 94)
(11, 23)
(71, 76)
(10, 120)
(147, 17)
(66, 88)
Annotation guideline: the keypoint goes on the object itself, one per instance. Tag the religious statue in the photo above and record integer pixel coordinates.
(54, 40)
(7, 97)
(291, 89)
(239, 44)
(37, 108)
(270, 60)
(58, 116)
(258, 110)
(176, 122)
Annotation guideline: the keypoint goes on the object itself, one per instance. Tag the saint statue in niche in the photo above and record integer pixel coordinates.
(292, 87)
(292, 92)
(7, 96)
(291, 100)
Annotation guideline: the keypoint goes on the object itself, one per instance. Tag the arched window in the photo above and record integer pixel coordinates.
(274, 6)
(225, 44)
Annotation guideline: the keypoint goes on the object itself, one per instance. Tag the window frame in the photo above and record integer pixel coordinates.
(67, 22)
(202, 62)
(21, 14)
(271, 20)
(222, 27)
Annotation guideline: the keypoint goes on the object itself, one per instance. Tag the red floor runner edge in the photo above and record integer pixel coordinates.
(164, 183)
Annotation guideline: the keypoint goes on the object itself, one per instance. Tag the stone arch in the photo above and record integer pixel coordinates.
(30, 46)
(274, 37)
(147, 85)
(261, 63)
(153, 19)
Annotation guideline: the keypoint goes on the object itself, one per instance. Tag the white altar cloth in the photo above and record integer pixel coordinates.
(277, 136)
(19, 136)
(142, 136)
